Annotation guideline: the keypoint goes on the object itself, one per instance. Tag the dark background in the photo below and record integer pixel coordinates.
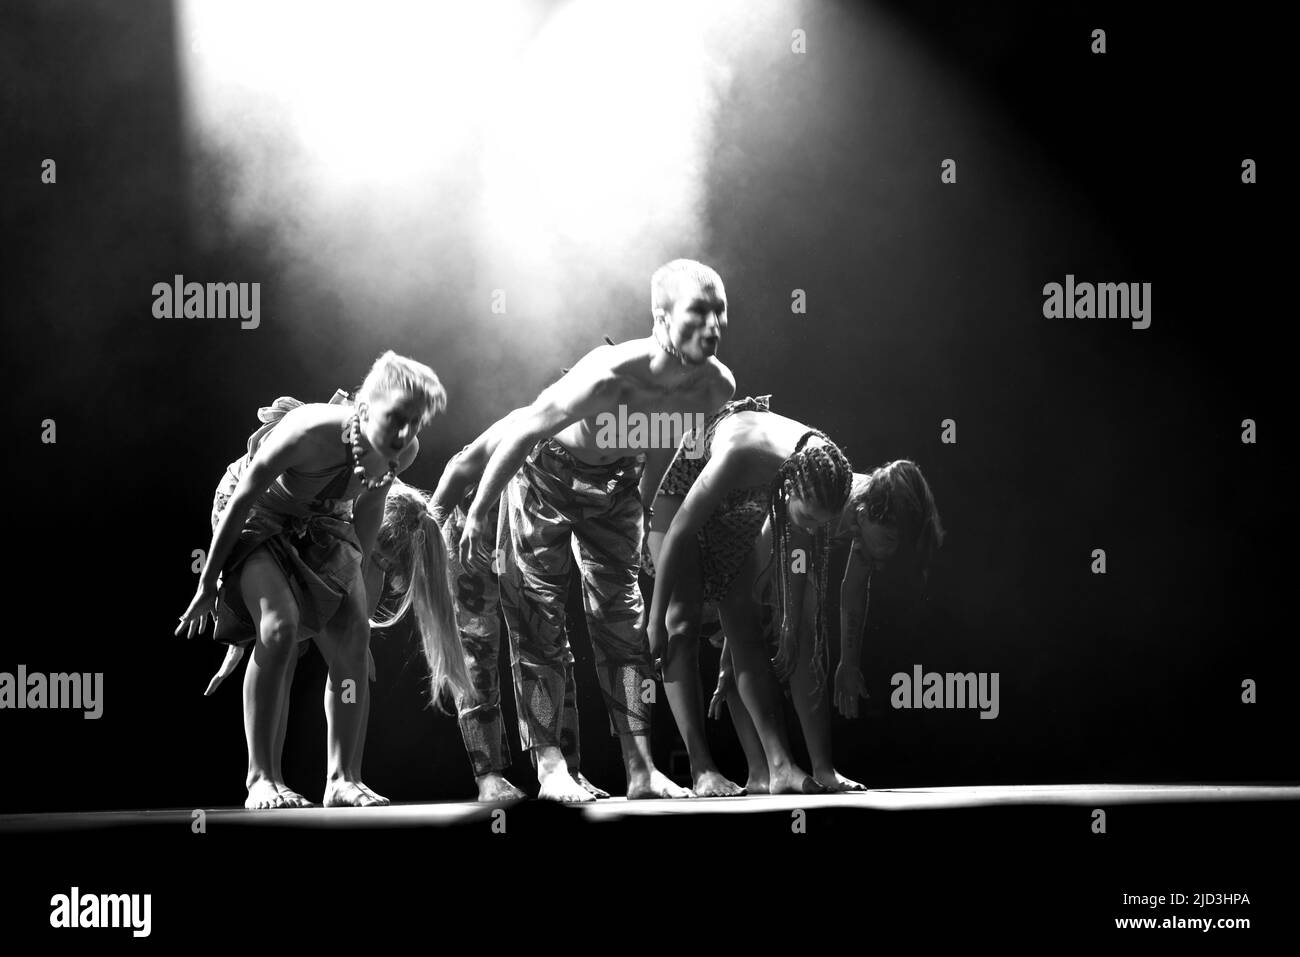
(924, 304)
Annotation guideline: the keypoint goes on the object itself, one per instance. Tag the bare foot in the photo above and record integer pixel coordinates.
(591, 788)
(656, 784)
(756, 784)
(379, 799)
(263, 795)
(291, 797)
(711, 784)
(558, 785)
(347, 794)
(792, 780)
(494, 787)
(836, 782)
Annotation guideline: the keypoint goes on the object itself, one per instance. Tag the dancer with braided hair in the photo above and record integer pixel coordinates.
(890, 520)
(749, 466)
(477, 594)
(293, 519)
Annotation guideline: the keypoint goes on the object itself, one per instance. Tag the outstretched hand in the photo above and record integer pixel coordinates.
(849, 686)
(726, 682)
(195, 618)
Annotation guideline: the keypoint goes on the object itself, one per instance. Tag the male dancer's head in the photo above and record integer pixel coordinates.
(689, 305)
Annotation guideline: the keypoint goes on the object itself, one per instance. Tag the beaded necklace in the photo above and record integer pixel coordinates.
(359, 470)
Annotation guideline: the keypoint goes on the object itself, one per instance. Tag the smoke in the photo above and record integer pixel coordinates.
(485, 187)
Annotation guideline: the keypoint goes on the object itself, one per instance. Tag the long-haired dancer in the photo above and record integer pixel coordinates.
(749, 466)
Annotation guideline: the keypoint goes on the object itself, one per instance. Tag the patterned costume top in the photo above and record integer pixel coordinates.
(304, 521)
(728, 535)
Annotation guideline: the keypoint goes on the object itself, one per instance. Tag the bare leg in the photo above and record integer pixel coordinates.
(275, 615)
(291, 797)
(554, 780)
(373, 577)
(686, 698)
(758, 687)
(643, 779)
(360, 750)
(682, 673)
(345, 643)
(812, 703)
(755, 758)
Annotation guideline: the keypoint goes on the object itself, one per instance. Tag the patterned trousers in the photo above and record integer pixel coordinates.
(552, 504)
(482, 726)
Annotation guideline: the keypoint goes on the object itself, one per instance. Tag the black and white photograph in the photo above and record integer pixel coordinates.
(679, 474)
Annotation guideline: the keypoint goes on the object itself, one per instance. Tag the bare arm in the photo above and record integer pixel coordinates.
(652, 476)
(466, 466)
(589, 388)
(290, 444)
(855, 597)
(720, 476)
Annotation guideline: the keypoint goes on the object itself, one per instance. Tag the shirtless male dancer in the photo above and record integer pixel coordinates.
(567, 479)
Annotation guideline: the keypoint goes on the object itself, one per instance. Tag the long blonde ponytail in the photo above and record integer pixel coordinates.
(413, 540)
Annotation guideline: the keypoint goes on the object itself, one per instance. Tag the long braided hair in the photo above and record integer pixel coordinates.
(419, 577)
(821, 474)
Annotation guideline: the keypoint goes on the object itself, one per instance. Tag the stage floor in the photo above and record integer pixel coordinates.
(982, 863)
(453, 813)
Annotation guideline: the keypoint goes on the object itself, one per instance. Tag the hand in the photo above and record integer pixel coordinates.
(657, 635)
(195, 618)
(726, 682)
(476, 543)
(849, 686)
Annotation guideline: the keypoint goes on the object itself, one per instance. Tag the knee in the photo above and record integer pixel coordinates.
(278, 635)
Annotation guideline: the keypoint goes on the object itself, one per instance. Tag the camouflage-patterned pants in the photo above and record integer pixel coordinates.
(553, 503)
(481, 725)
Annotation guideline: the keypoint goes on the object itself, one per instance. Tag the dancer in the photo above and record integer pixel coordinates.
(477, 593)
(292, 520)
(890, 518)
(581, 485)
(747, 466)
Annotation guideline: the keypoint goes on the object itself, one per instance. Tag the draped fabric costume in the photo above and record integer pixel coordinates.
(304, 521)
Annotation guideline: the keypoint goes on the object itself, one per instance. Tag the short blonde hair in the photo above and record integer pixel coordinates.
(666, 282)
(393, 374)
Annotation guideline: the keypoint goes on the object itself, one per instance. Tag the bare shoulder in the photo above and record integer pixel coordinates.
(719, 383)
(315, 424)
(737, 440)
(308, 436)
(600, 372)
